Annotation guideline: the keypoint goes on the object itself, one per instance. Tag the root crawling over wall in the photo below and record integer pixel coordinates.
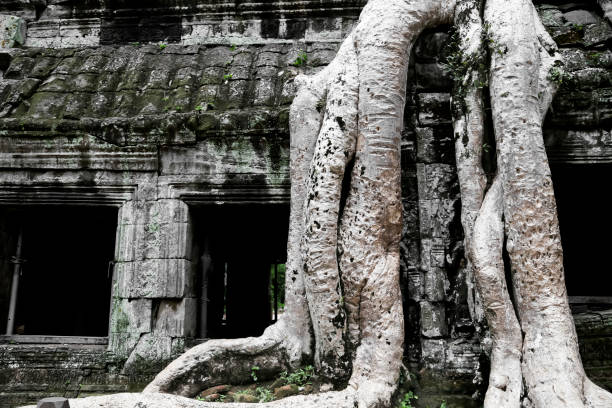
(343, 301)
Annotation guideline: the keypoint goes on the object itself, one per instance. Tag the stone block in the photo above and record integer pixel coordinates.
(150, 354)
(176, 317)
(434, 109)
(433, 319)
(130, 319)
(435, 145)
(433, 352)
(171, 240)
(552, 17)
(590, 78)
(433, 76)
(12, 31)
(597, 34)
(435, 216)
(154, 278)
(437, 181)
(603, 106)
(131, 316)
(140, 242)
(567, 35)
(435, 284)
(429, 45)
(581, 17)
(53, 402)
(462, 355)
(574, 59)
(573, 108)
(153, 229)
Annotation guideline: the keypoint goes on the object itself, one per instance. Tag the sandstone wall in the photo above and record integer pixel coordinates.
(185, 103)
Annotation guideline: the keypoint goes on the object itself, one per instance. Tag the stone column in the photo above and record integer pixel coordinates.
(154, 305)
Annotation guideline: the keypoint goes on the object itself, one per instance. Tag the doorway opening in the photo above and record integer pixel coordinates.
(583, 202)
(56, 270)
(241, 253)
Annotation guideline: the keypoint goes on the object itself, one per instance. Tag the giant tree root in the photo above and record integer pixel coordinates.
(223, 361)
(342, 291)
(343, 260)
(334, 399)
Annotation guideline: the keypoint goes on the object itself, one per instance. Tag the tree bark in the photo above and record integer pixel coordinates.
(551, 365)
(343, 301)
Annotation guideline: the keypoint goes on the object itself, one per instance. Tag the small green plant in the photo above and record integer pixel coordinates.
(136, 44)
(264, 394)
(299, 377)
(254, 371)
(227, 77)
(233, 47)
(578, 27)
(162, 46)
(557, 75)
(594, 57)
(243, 392)
(198, 108)
(407, 400)
(301, 59)
(165, 99)
(443, 405)
(178, 108)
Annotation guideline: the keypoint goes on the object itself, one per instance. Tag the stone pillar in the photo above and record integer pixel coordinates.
(154, 305)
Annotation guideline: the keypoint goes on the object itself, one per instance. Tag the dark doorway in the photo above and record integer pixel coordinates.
(584, 205)
(238, 248)
(64, 284)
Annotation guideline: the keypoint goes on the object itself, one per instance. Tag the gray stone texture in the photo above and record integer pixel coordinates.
(53, 402)
(155, 128)
(13, 31)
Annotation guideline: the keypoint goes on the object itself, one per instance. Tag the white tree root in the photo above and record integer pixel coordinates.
(343, 298)
(482, 219)
(505, 379)
(551, 366)
(606, 6)
(468, 128)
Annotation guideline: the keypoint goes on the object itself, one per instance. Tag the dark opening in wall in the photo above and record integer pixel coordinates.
(584, 202)
(239, 249)
(64, 259)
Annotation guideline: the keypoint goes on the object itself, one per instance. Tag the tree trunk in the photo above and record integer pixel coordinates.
(343, 301)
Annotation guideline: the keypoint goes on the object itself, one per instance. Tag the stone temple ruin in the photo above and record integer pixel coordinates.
(144, 187)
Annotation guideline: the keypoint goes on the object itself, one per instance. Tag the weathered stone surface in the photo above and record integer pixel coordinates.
(597, 34)
(152, 352)
(581, 17)
(107, 117)
(434, 109)
(12, 31)
(176, 318)
(433, 320)
(53, 402)
(154, 278)
(552, 17)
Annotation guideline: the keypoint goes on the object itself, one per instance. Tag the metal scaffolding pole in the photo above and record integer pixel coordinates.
(275, 292)
(14, 285)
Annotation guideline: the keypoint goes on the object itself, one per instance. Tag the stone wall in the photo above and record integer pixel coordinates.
(199, 116)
